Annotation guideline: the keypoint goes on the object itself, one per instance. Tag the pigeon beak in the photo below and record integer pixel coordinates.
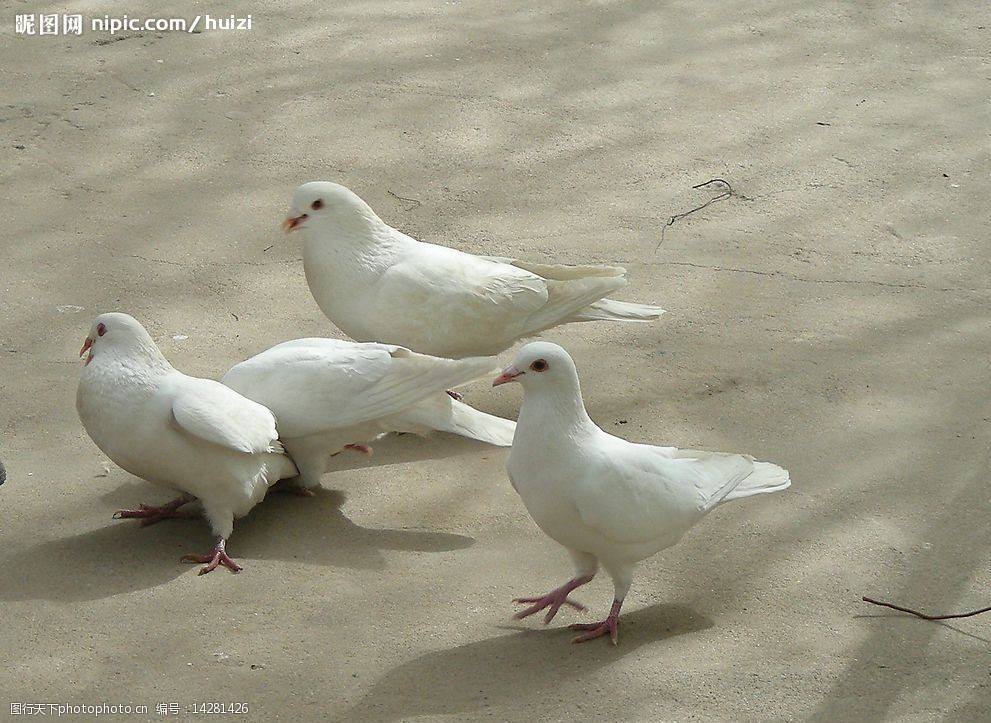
(509, 374)
(86, 347)
(293, 222)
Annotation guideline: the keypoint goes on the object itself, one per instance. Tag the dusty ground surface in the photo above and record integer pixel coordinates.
(831, 315)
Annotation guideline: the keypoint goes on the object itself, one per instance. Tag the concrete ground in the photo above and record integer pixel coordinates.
(831, 315)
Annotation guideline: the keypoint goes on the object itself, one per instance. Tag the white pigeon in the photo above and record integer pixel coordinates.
(193, 435)
(378, 284)
(330, 394)
(605, 499)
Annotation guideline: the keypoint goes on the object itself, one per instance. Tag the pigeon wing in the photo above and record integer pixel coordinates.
(560, 272)
(438, 290)
(315, 385)
(570, 289)
(212, 412)
(641, 493)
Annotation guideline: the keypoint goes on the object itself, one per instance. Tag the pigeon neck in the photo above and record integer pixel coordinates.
(357, 225)
(360, 221)
(138, 355)
(359, 238)
(564, 405)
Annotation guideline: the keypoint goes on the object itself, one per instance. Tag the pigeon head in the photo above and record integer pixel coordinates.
(324, 206)
(120, 335)
(538, 365)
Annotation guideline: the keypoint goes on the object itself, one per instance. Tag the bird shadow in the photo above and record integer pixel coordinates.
(101, 563)
(905, 616)
(123, 557)
(315, 530)
(530, 662)
(406, 448)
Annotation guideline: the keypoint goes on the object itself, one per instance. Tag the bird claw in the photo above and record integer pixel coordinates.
(554, 600)
(218, 557)
(609, 626)
(361, 448)
(149, 514)
(293, 489)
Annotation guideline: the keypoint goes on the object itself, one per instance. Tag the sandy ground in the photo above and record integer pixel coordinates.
(831, 315)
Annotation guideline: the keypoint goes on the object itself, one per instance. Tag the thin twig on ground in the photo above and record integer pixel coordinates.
(725, 194)
(402, 198)
(917, 614)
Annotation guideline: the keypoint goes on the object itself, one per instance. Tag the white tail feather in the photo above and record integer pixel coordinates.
(566, 299)
(563, 272)
(441, 413)
(765, 478)
(612, 310)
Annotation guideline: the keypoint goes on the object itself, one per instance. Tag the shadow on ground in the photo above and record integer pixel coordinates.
(460, 680)
(123, 556)
(407, 448)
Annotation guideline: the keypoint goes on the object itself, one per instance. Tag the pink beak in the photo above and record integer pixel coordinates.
(509, 374)
(86, 347)
(293, 222)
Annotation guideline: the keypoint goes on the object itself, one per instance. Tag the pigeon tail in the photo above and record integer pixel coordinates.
(470, 422)
(562, 272)
(765, 478)
(443, 414)
(612, 310)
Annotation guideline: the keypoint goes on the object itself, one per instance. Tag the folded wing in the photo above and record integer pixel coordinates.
(510, 298)
(315, 385)
(639, 494)
(210, 411)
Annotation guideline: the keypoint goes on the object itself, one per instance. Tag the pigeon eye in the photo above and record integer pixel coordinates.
(317, 205)
(101, 329)
(539, 365)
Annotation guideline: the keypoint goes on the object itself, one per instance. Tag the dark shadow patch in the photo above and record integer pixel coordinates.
(123, 557)
(460, 680)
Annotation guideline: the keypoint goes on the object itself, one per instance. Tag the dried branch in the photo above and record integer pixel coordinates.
(409, 200)
(917, 614)
(725, 194)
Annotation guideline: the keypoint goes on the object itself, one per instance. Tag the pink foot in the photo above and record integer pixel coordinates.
(456, 396)
(363, 448)
(554, 600)
(609, 626)
(150, 515)
(219, 556)
(292, 489)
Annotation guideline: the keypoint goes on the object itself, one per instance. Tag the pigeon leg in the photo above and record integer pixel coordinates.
(362, 448)
(554, 600)
(217, 557)
(150, 515)
(288, 487)
(608, 626)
